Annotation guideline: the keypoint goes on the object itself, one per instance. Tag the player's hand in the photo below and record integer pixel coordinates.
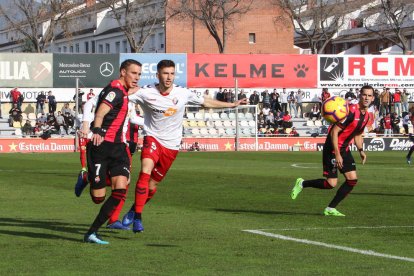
(239, 102)
(363, 157)
(97, 139)
(339, 161)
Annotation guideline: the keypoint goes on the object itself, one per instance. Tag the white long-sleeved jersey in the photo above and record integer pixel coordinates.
(132, 117)
(163, 113)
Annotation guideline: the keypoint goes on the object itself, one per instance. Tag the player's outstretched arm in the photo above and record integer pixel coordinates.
(211, 103)
(359, 143)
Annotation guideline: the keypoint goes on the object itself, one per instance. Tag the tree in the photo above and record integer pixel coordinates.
(389, 19)
(316, 21)
(34, 21)
(216, 15)
(136, 17)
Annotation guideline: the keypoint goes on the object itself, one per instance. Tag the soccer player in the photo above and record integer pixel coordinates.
(163, 105)
(107, 151)
(336, 153)
(410, 152)
(130, 128)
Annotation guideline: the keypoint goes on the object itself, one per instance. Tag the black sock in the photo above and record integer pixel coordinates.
(106, 210)
(342, 192)
(138, 216)
(410, 152)
(317, 183)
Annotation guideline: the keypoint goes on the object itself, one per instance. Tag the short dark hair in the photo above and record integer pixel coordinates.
(165, 63)
(126, 63)
(366, 87)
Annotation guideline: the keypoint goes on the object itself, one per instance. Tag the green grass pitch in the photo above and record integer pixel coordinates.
(193, 225)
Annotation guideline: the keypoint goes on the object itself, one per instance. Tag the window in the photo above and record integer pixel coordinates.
(117, 47)
(60, 49)
(86, 46)
(93, 47)
(252, 38)
(124, 46)
(64, 49)
(77, 47)
(161, 40)
(71, 49)
(152, 42)
(100, 47)
(107, 48)
(333, 49)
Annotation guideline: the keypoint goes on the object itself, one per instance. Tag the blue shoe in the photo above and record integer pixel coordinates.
(117, 225)
(138, 227)
(81, 183)
(128, 218)
(94, 238)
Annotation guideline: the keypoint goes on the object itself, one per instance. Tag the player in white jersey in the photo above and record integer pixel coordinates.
(164, 106)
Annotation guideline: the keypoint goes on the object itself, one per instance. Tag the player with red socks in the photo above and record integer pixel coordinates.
(107, 151)
(164, 106)
(336, 153)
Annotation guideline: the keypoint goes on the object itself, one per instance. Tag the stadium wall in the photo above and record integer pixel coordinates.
(59, 145)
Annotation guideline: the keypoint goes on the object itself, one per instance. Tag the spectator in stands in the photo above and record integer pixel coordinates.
(287, 120)
(242, 95)
(37, 130)
(79, 103)
(42, 119)
(404, 100)
(385, 98)
(278, 119)
(66, 109)
(51, 99)
(274, 101)
(27, 128)
(16, 97)
(231, 98)
(293, 132)
(397, 101)
(315, 113)
(254, 100)
(61, 124)
(386, 124)
(324, 96)
(299, 99)
(284, 100)
(406, 120)
(265, 110)
(270, 120)
(69, 121)
(194, 147)
(266, 98)
(220, 95)
(90, 95)
(395, 123)
(40, 102)
(207, 93)
(51, 117)
(15, 115)
(292, 104)
(349, 96)
(377, 101)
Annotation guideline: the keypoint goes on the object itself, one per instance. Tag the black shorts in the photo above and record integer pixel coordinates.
(330, 170)
(111, 158)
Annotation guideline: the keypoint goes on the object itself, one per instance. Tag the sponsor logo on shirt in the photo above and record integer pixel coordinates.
(175, 101)
(110, 97)
(169, 112)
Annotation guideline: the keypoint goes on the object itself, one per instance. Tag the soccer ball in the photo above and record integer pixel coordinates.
(334, 109)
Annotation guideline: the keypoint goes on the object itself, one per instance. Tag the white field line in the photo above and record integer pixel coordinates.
(309, 166)
(339, 228)
(333, 246)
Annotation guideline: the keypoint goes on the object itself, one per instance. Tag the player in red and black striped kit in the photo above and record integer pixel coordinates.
(106, 151)
(336, 153)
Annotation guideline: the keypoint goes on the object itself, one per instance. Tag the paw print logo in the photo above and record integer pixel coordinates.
(301, 70)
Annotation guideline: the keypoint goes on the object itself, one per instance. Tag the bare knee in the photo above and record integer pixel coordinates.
(332, 182)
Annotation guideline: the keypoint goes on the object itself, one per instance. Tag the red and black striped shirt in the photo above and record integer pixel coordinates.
(115, 95)
(352, 126)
